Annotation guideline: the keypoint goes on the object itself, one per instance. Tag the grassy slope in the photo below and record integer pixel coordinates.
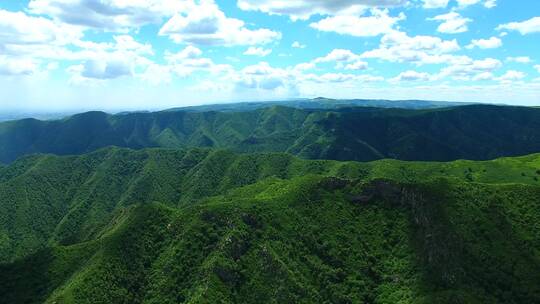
(267, 228)
(361, 134)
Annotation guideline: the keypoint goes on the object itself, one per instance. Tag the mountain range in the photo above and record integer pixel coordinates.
(476, 132)
(273, 204)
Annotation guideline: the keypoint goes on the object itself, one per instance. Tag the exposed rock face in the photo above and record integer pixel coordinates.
(334, 183)
(380, 189)
(439, 248)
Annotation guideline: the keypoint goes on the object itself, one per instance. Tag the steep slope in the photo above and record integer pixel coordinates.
(309, 239)
(361, 134)
(67, 200)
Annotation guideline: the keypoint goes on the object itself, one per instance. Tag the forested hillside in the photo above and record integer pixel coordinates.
(207, 226)
(361, 134)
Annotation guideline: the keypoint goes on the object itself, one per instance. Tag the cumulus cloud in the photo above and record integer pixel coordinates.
(379, 22)
(21, 34)
(257, 51)
(264, 77)
(15, 66)
(298, 45)
(519, 59)
(436, 3)
(206, 24)
(399, 47)
(525, 27)
(537, 67)
(491, 43)
(451, 23)
(356, 66)
(190, 60)
(106, 69)
(465, 3)
(338, 55)
(304, 9)
(345, 59)
(483, 76)
(468, 68)
(341, 78)
(111, 15)
(511, 76)
(108, 60)
(412, 76)
(486, 3)
(490, 3)
(190, 52)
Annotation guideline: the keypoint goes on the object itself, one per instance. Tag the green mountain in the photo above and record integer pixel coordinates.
(360, 134)
(213, 226)
(324, 103)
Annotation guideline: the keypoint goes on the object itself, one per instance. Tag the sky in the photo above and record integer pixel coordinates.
(156, 54)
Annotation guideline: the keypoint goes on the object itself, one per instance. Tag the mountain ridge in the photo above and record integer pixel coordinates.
(361, 134)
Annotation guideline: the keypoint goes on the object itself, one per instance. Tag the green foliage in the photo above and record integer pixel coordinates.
(213, 226)
(360, 134)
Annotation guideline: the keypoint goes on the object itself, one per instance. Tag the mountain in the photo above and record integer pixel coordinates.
(316, 103)
(477, 132)
(323, 103)
(213, 226)
(17, 115)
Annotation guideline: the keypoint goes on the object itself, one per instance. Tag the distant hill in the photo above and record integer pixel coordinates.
(323, 103)
(8, 116)
(476, 132)
(207, 226)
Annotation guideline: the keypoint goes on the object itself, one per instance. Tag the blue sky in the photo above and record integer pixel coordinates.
(153, 54)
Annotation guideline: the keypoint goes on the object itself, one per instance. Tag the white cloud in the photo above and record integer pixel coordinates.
(412, 76)
(399, 47)
(490, 3)
(304, 9)
(334, 78)
(465, 3)
(34, 37)
(345, 59)
(436, 3)
(97, 62)
(486, 3)
(106, 69)
(511, 76)
(379, 22)
(526, 27)
(15, 66)
(452, 23)
(338, 55)
(190, 60)
(520, 59)
(470, 68)
(206, 24)
(356, 66)
(190, 52)
(19, 28)
(111, 15)
(298, 45)
(491, 43)
(483, 76)
(537, 67)
(263, 77)
(257, 51)
(156, 74)
(304, 66)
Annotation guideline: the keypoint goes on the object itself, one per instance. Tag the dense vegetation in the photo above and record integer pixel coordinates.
(361, 134)
(213, 226)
